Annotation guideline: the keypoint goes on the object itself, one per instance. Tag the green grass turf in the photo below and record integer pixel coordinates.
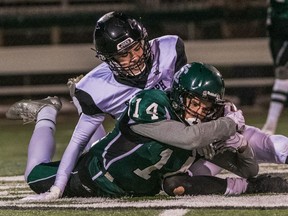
(14, 138)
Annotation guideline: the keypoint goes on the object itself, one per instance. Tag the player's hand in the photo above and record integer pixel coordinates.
(207, 152)
(231, 111)
(234, 143)
(53, 194)
(71, 84)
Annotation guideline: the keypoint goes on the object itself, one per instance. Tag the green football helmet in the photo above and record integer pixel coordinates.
(201, 81)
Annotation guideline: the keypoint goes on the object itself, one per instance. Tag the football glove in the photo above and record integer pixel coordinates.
(235, 143)
(53, 194)
(207, 152)
(231, 111)
(71, 84)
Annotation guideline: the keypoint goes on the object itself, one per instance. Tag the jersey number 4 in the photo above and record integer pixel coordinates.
(150, 110)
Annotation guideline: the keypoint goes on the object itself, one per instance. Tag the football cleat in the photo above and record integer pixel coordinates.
(27, 110)
(267, 184)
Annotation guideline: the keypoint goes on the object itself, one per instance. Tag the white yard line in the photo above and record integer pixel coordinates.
(257, 201)
(12, 178)
(174, 212)
(14, 188)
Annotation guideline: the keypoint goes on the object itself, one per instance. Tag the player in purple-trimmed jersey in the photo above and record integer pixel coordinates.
(131, 63)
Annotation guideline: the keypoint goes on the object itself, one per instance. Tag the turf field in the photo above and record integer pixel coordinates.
(14, 139)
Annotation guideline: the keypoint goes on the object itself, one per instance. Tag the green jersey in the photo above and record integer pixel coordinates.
(126, 163)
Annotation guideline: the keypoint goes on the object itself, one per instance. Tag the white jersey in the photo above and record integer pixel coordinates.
(100, 93)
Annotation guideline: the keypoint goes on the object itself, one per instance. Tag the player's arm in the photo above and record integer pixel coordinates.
(178, 134)
(242, 164)
(152, 116)
(89, 121)
(83, 131)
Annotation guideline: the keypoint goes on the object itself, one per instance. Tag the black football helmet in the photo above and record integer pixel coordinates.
(202, 81)
(116, 33)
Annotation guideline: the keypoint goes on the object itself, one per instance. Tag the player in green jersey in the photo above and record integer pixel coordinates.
(277, 25)
(128, 162)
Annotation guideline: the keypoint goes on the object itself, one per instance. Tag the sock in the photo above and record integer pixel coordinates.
(275, 110)
(236, 186)
(278, 99)
(46, 117)
(42, 143)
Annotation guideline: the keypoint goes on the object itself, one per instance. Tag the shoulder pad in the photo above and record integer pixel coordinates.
(149, 106)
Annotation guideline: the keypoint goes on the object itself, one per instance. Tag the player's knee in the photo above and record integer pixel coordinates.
(280, 144)
(173, 186)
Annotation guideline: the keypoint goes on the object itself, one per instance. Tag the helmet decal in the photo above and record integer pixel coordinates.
(184, 70)
(207, 94)
(114, 33)
(124, 44)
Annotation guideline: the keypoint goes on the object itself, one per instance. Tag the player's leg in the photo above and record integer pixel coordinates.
(183, 184)
(204, 167)
(42, 144)
(42, 176)
(277, 103)
(267, 148)
(279, 50)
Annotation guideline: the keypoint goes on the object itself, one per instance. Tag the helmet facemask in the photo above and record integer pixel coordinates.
(194, 109)
(198, 90)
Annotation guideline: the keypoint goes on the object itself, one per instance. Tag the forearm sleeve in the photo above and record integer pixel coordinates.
(85, 128)
(187, 137)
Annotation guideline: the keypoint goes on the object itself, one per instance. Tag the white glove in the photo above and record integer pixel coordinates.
(231, 111)
(71, 84)
(234, 143)
(53, 194)
(208, 151)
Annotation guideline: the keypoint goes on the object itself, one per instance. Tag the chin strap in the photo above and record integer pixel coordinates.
(193, 121)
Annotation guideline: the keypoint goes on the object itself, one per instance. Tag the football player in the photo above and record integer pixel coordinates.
(277, 25)
(153, 145)
(131, 63)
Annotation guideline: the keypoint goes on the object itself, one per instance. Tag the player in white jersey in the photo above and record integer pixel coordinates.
(130, 63)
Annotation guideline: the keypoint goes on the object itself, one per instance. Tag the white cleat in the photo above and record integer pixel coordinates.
(27, 110)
